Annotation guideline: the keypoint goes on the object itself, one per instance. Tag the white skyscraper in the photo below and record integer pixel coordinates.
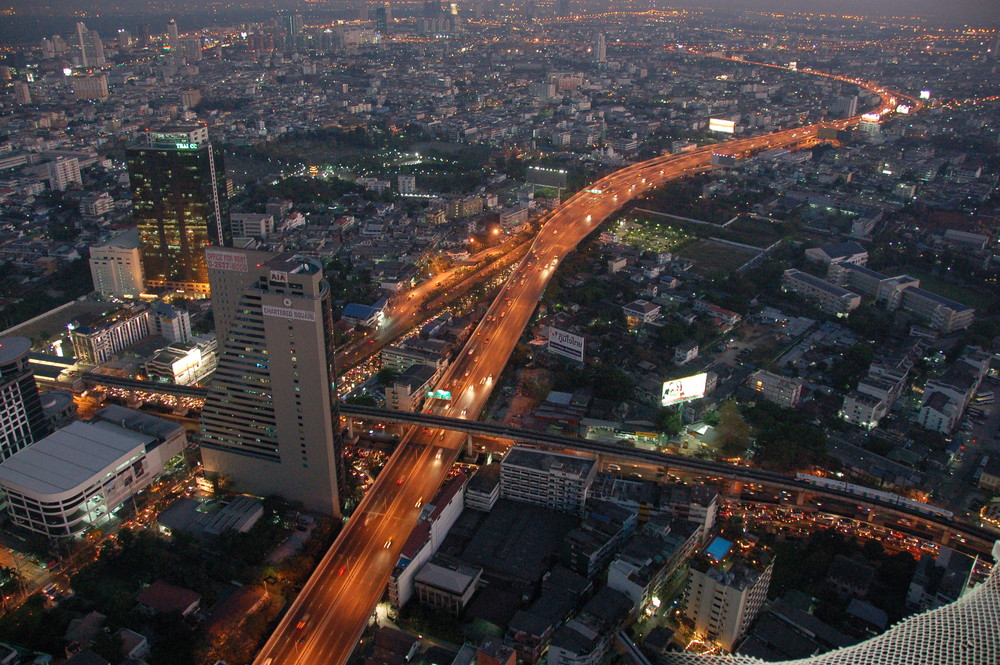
(116, 266)
(90, 45)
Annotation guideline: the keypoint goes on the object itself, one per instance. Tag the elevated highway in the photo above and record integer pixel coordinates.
(983, 538)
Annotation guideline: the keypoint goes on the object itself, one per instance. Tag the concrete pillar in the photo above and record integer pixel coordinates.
(945, 537)
(800, 498)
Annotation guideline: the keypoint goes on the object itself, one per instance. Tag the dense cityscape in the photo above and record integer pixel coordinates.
(563, 332)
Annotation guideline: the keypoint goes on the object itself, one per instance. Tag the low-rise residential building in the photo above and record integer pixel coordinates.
(863, 410)
(781, 390)
(605, 527)
(100, 342)
(447, 584)
(554, 480)
(841, 252)
(827, 297)
(939, 413)
(638, 312)
(649, 559)
(685, 352)
(586, 639)
(942, 314)
(409, 389)
(484, 488)
(247, 225)
(436, 519)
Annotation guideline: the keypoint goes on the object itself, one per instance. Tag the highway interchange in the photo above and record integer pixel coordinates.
(328, 617)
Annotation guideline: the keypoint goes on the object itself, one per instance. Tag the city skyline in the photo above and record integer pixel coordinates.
(337, 333)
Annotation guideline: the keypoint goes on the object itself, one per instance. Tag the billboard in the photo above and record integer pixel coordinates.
(218, 259)
(683, 390)
(720, 125)
(566, 344)
(925, 94)
(538, 175)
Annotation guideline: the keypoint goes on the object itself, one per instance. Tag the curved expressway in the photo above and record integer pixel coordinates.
(327, 619)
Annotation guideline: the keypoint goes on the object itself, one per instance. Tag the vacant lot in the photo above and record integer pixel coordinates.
(713, 259)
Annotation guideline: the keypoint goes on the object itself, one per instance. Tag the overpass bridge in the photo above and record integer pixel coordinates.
(979, 537)
(982, 538)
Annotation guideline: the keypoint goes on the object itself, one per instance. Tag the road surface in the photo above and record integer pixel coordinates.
(327, 619)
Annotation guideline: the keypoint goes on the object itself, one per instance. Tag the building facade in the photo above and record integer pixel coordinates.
(781, 390)
(268, 421)
(75, 478)
(179, 205)
(100, 342)
(722, 600)
(116, 266)
(827, 297)
(22, 419)
(554, 480)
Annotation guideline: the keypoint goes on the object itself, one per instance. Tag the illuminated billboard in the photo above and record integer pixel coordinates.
(566, 344)
(683, 390)
(925, 94)
(538, 175)
(903, 108)
(438, 394)
(720, 125)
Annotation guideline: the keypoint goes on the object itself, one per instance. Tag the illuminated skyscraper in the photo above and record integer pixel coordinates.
(179, 204)
(269, 420)
(601, 50)
(23, 421)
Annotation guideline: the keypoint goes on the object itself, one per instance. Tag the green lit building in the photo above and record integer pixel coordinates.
(179, 204)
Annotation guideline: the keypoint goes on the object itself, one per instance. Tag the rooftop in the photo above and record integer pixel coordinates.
(12, 348)
(70, 457)
(548, 462)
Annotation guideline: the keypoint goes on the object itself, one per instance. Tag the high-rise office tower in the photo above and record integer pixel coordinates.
(124, 38)
(179, 204)
(293, 32)
(172, 33)
(995, 50)
(23, 421)
(269, 419)
(601, 50)
(383, 18)
(143, 32)
(90, 45)
(294, 24)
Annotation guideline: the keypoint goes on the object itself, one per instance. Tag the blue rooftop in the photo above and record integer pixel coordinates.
(356, 311)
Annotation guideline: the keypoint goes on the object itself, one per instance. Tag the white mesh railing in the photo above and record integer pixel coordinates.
(965, 632)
